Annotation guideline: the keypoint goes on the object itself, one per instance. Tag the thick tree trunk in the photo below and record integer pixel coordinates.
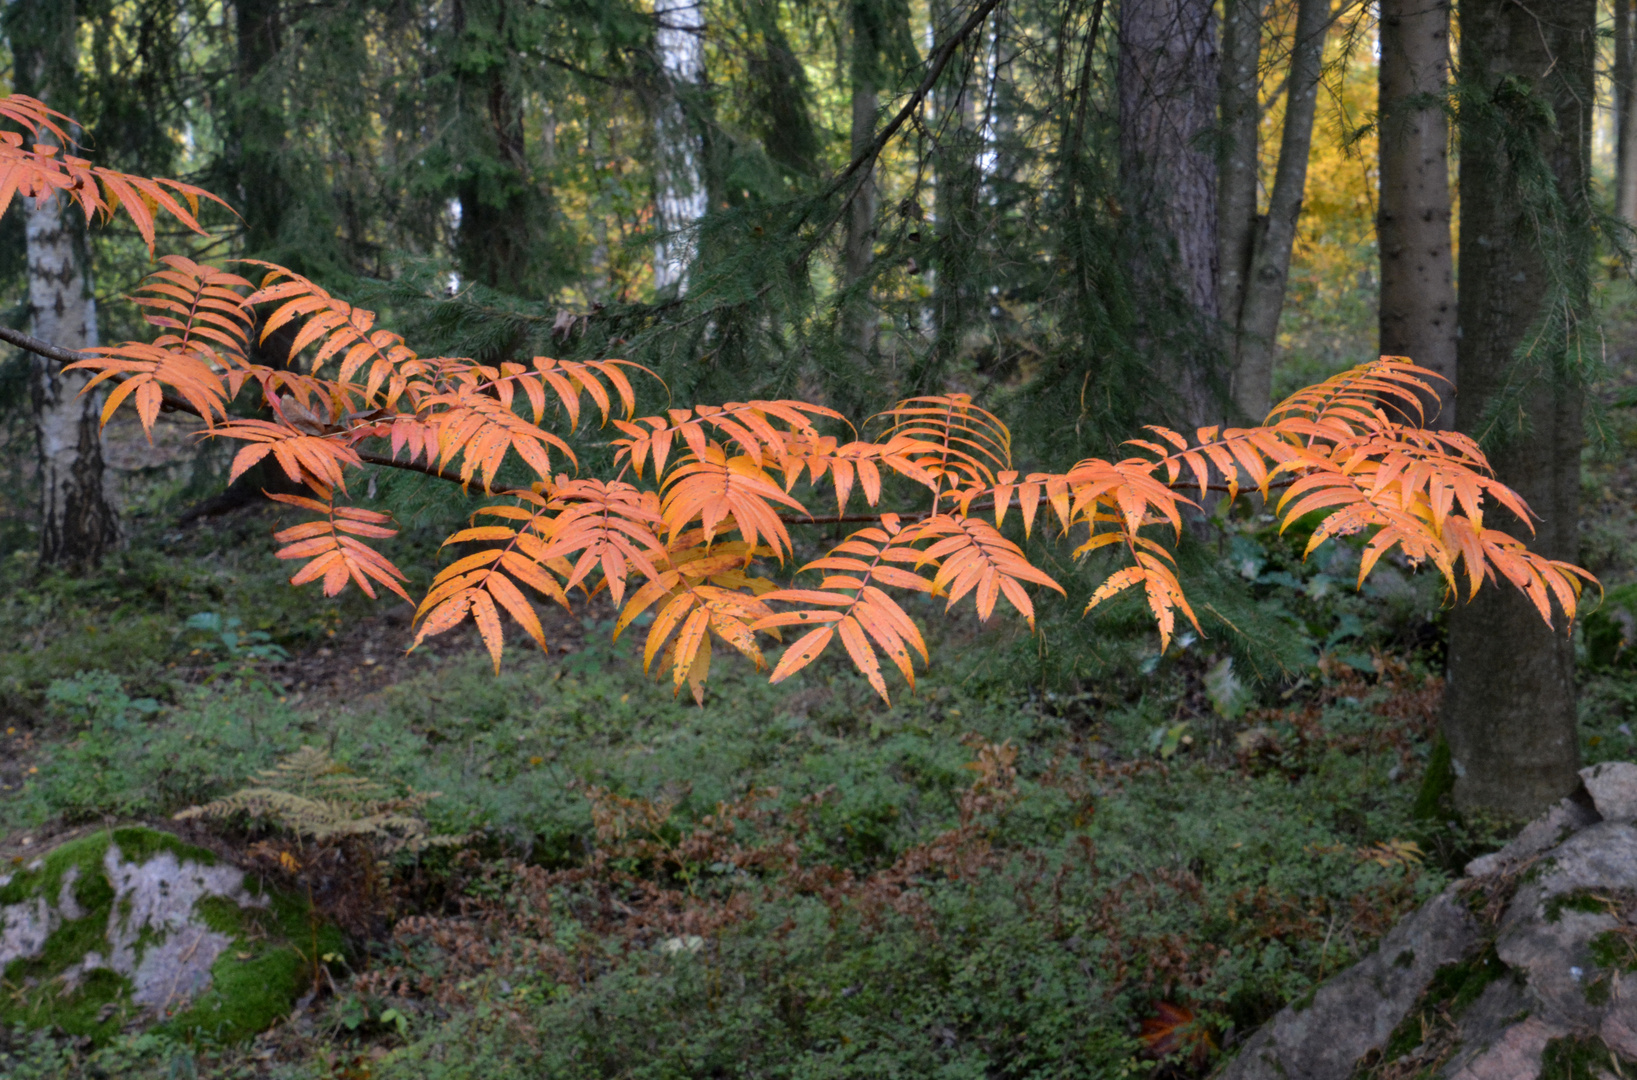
(497, 240)
(679, 183)
(77, 524)
(1239, 154)
(1167, 89)
(1509, 712)
(1625, 110)
(255, 137)
(1413, 226)
(1256, 323)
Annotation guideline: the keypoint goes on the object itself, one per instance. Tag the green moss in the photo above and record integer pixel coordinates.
(1434, 801)
(1453, 989)
(254, 980)
(1584, 900)
(138, 845)
(1614, 950)
(253, 984)
(1584, 1058)
(46, 879)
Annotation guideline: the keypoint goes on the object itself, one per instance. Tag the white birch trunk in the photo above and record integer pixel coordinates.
(679, 183)
(77, 523)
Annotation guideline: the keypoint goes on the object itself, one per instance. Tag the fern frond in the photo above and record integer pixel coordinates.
(313, 796)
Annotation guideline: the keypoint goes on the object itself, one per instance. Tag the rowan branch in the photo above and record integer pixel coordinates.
(168, 403)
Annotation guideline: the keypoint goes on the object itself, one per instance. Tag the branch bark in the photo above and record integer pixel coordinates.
(940, 60)
(170, 403)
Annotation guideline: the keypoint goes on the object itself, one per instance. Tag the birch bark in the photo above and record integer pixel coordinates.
(77, 523)
(680, 198)
(1625, 110)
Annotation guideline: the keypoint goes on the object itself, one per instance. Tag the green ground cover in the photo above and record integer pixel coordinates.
(1004, 873)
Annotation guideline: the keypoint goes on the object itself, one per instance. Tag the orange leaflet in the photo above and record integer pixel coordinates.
(336, 557)
(303, 457)
(748, 425)
(973, 556)
(475, 585)
(610, 525)
(705, 592)
(711, 488)
(948, 436)
(1335, 449)
(863, 611)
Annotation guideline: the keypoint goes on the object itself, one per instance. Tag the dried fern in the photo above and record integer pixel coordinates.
(315, 797)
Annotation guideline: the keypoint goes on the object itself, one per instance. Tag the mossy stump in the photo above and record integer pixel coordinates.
(132, 928)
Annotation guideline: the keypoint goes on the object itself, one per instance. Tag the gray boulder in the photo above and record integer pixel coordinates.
(133, 928)
(1533, 954)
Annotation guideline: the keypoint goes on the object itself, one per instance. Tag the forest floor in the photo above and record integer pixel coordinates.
(1058, 856)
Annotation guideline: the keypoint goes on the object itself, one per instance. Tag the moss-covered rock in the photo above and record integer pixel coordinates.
(135, 928)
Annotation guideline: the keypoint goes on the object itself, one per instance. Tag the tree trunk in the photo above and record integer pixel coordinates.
(1239, 154)
(1509, 711)
(679, 181)
(1166, 83)
(497, 241)
(256, 132)
(1256, 323)
(858, 245)
(1413, 226)
(77, 523)
(957, 183)
(1625, 110)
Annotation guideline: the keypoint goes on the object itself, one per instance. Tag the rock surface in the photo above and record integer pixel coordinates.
(1530, 959)
(135, 928)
